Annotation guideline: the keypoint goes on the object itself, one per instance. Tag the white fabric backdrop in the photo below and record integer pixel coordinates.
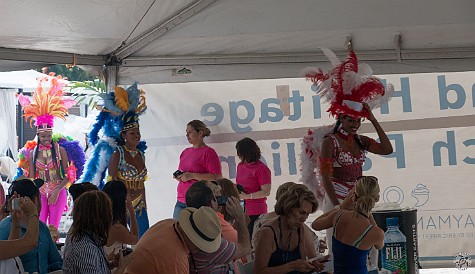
(430, 122)
(8, 121)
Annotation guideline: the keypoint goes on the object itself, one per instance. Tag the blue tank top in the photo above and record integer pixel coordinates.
(349, 258)
(281, 256)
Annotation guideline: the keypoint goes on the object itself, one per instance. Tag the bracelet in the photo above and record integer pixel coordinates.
(33, 215)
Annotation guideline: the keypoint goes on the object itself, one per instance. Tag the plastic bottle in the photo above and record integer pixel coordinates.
(394, 254)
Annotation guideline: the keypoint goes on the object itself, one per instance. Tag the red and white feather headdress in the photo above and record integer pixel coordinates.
(348, 85)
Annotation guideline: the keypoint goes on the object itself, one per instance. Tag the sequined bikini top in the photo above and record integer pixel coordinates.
(129, 174)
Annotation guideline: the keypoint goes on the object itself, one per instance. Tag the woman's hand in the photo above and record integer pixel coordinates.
(186, 176)
(348, 201)
(27, 206)
(53, 198)
(319, 264)
(370, 112)
(129, 206)
(301, 265)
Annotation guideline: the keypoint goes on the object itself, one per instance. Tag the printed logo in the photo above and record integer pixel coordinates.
(462, 261)
(421, 194)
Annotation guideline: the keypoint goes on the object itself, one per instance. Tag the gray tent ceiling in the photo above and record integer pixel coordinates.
(150, 40)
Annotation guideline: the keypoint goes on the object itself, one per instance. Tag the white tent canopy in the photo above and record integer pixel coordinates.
(150, 40)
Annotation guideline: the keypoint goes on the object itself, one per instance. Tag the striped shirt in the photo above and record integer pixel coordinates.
(84, 255)
(213, 263)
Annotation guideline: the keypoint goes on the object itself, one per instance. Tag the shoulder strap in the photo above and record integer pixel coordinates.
(357, 242)
(275, 237)
(336, 221)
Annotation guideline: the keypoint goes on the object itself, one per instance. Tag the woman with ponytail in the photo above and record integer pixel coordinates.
(355, 231)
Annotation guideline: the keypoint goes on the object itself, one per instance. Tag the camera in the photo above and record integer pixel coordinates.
(222, 200)
(177, 173)
(126, 251)
(15, 204)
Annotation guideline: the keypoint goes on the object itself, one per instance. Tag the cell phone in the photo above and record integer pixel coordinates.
(243, 203)
(126, 251)
(222, 200)
(240, 188)
(7, 204)
(177, 173)
(15, 204)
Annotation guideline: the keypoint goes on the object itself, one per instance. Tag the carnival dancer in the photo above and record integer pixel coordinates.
(333, 156)
(121, 150)
(55, 158)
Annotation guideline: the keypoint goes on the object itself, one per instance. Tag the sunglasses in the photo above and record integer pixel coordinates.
(369, 177)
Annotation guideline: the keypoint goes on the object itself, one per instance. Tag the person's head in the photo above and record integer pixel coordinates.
(228, 189)
(92, 214)
(196, 130)
(296, 204)
(45, 137)
(282, 189)
(366, 193)
(131, 136)
(25, 187)
(77, 189)
(248, 151)
(201, 228)
(117, 192)
(200, 194)
(350, 123)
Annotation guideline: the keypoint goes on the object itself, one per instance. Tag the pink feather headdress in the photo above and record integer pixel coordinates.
(47, 102)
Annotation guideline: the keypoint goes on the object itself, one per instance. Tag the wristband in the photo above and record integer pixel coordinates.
(337, 207)
(33, 215)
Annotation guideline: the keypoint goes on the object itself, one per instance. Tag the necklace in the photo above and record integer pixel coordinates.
(346, 136)
(132, 153)
(362, 214)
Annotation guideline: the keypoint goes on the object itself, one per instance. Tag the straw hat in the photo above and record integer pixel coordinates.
(202, 227)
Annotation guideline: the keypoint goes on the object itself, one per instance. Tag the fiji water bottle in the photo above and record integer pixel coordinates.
(393, 254)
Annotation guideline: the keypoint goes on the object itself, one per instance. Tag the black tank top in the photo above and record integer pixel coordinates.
(280, 256)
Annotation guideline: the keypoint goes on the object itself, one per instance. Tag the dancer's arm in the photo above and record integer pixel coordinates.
(114, 165)
(326, 169)
(384, 147)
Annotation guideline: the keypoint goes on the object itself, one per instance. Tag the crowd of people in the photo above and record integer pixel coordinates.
(218, 225)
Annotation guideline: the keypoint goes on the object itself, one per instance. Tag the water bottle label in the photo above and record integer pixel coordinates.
(394, 258)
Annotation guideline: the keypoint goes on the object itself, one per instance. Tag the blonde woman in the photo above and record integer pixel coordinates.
(284, 244)
(355, 231)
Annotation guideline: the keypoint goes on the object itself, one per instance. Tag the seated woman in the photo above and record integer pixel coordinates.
(119, 234)
(355, 231)
(284, 244)
(92, 219)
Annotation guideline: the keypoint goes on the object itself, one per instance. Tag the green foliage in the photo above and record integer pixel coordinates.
(72, 73)
(88, 91)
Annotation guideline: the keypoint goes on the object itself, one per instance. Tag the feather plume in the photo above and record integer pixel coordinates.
(121, 99)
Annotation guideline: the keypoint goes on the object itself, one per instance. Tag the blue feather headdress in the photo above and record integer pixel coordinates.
(120, 112)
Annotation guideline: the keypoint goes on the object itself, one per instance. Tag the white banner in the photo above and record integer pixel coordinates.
(430, 121)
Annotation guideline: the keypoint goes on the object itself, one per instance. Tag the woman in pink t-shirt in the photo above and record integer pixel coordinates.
(255, 177)
(198, 162)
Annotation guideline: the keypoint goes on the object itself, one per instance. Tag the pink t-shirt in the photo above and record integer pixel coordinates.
(197, 160)
(252, 176)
